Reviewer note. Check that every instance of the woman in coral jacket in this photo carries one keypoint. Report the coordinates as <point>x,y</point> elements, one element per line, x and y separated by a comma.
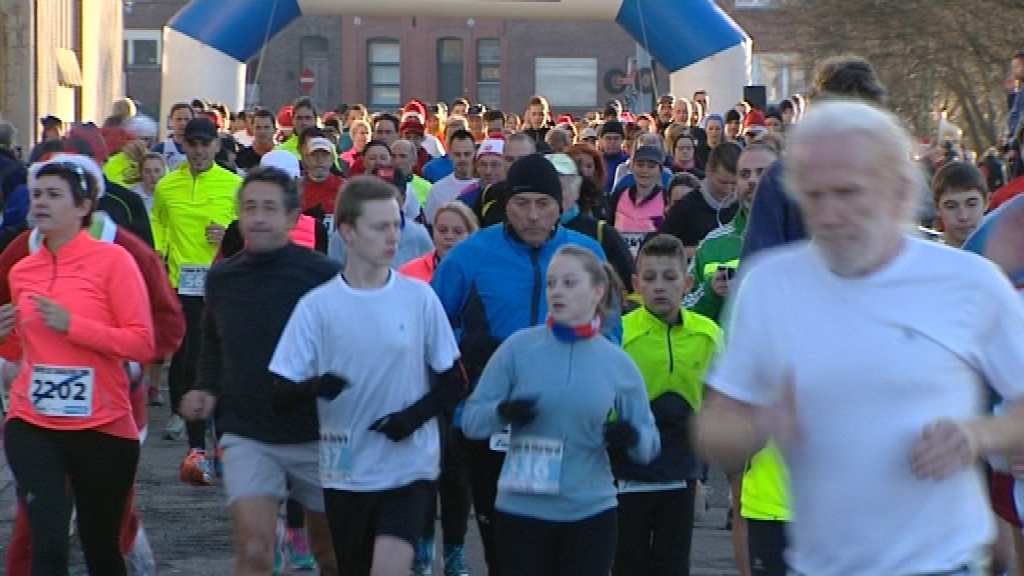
<point>79,311</point>
<point>453,223</point>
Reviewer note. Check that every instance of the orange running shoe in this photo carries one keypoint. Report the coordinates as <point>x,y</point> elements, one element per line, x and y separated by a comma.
<point>195,470</point>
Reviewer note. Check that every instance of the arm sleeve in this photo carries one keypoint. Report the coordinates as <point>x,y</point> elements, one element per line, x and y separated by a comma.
<point>131,336</point>
<point>999,346</point>
<point>774,219</point>
<point>140,224</point>
<point>631,405</point>
<point>168,319</point>
<point>702,299</point>
<point>159,222</point>
<point>232,242</point>
<point>450,285</point>
<point>480,415</point>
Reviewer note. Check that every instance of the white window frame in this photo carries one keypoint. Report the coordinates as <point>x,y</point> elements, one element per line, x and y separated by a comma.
<point>131,35</point>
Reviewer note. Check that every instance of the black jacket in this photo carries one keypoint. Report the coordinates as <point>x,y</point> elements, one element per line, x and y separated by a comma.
<point>615,248</point>
<point>127,210</point>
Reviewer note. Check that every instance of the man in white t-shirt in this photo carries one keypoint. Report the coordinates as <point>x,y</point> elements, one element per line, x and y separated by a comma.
<point>379,441</point>
<point>462,151</point>
<point>865,354</point>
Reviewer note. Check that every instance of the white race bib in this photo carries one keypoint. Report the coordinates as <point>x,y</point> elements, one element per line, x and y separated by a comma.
<point>62,390</point>
<point>499,441</point>
<point>634,240</point>
<point>192,280</point>
<point>532,465</point>
<point>329,223</point>
<point>335,455</point>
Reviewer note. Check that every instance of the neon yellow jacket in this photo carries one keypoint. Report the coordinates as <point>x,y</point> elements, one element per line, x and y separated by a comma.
<point>116,169</point>
<point>183,207</point>
<point>671,358</point>
<point>764,495</point>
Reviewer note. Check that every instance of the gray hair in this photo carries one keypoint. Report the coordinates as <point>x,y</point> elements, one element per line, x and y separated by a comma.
<point>559,137</point>
<point>7,135</point>
<point>889,142</point>
<point>523,138</point>
<point>400,143</point>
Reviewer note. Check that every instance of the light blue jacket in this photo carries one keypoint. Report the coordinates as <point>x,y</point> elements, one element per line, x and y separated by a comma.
<point>413,242</point>
<point>579,385</point>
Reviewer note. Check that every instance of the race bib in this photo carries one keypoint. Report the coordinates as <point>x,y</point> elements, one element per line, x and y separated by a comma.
<point>329,223</point>
<point>532,465</point>
<point>499,441</point>
<point>634,240</point>
<point>61,391</point>
<point>335,455</point>
<point>192,280</point>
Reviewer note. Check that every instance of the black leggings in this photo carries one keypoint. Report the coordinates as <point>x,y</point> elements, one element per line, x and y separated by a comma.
<point>484,467</point>
<point>766,541</point>
<point>100,470</point>
<point>453,487</point>
<point>655,532</point>
<point>532,547</point>
<point>185,365</point>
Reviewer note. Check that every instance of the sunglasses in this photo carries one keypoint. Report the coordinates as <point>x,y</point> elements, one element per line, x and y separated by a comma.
<point>79,174</point>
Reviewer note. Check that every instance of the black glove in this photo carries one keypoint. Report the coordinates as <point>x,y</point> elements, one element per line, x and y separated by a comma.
<point>329,386</point>
<point>397,426</point>
<point>476,349</point>
<point>620,435</point>
<point>519,411</point>
<point>672,414</point>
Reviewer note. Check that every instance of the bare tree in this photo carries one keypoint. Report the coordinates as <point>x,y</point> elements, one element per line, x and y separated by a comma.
<point>931,54</point>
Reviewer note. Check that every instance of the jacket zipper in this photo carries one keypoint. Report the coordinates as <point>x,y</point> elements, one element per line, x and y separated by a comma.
<point>535,298</point>
<point>53,275</point>
<point>671,357</point>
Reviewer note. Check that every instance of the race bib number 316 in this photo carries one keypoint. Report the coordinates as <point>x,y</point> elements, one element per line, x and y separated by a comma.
<point>62,391</point>
<point>532,465</point>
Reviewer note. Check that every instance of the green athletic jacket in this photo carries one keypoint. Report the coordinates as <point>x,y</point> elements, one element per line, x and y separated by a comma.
<point>721,247</point>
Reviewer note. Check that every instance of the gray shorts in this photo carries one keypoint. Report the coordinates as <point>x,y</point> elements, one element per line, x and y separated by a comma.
<point>256,469</point>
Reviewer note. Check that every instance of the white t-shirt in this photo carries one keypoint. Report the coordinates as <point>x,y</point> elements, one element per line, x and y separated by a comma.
<point>873,360</point>
<point>444,191</point>
<point>383,341</point>
<point>433,146</point>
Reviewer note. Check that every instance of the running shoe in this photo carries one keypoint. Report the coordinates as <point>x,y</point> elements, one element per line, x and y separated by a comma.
<point>297,549</point>
<point>423,560</point>
<point>175,428</point>
<point>279,548</point>
<point>218,461</point>
<point>455,561</point>
<point>140,559</point>
<point>195,469</point>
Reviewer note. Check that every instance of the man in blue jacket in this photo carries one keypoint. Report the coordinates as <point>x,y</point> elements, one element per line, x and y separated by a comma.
<point>492,285</point>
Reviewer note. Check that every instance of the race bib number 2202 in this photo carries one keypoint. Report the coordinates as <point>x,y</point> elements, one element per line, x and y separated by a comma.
<point>62,391</point>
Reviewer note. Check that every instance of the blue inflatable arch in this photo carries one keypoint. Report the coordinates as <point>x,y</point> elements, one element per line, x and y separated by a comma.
<point>209,41</point>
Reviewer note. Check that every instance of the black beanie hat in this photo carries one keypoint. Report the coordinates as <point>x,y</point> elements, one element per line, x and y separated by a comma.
<point>534,173</point>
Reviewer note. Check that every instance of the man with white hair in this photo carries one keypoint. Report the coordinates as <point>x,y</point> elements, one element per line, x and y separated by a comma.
<point>875,401</point>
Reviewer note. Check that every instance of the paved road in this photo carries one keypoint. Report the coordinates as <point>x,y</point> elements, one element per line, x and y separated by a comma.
<point>190,531</point>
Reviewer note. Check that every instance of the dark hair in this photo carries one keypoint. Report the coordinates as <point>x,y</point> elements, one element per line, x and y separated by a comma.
<point>958,177</point>
<point>849,76</point>
<point>374,143</point>
<point>683,179</point>
<point>333,122</point>
<point>182,106</point>
<point>1019,55</point>
<point>662,245</point>
<point>492,115</point>
<point>198,103</point>
<point>264,113</point>
<point>80,182</point>
<point>726,155</point>
<point>304,102</point>
<point>357,191</point>
<point>270,175</point>
<point>461,135</point>
<point>786,104</point>
<point>458,101</point>
<point>384,116</point>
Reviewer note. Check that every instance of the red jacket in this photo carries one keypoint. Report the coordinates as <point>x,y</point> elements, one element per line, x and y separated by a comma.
<point>1008,191</point>
<point>85,385</point>
<point>421,268</point>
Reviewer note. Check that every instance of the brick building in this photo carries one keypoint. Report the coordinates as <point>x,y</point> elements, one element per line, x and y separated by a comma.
<point>386,61</point>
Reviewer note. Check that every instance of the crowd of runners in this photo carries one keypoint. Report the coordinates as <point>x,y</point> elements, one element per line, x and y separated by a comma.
<point>549,324</point>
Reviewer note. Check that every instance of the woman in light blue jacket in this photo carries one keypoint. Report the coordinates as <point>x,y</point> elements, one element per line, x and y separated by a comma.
<point>549,392</point>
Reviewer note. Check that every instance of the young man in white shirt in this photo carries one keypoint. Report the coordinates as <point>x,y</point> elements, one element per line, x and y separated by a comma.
<point>875,400</point>
<point>379,441</point>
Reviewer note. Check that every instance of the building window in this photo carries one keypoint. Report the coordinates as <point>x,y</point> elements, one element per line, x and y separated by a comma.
<point>488,72</point>
<point>383,57</point>
<point>142,48</point>
<point>314,57</point>
<point>449,69</point>
<point>567,82</point>
<point>782,75</point>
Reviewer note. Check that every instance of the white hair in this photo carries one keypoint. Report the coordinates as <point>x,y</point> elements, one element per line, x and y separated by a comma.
<point>889,142</point>
<point>87,164</point>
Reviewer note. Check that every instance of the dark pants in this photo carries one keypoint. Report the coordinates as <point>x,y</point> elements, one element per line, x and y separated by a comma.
<point>532,547</point>
<point>766,541</point>
<point>357,518</point>
<point>100,471</point>
<point>453,487</point>
<point>655,532</point>
<point>484,467</point>
<point>185,364</point>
